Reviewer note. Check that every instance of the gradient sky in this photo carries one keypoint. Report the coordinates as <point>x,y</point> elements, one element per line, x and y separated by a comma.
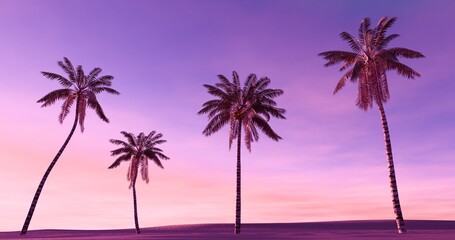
<point>330,165</point>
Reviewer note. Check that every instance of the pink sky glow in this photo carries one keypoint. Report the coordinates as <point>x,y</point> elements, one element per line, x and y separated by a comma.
<point>330,165</point>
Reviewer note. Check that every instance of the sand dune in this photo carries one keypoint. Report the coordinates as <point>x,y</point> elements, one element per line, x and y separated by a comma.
<point>359,230</point>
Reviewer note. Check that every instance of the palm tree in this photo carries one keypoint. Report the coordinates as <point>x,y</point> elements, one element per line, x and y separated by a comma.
<point>77,88</point>
<point>368,63</point>
<point>251,107</point>
<point>138,150</point>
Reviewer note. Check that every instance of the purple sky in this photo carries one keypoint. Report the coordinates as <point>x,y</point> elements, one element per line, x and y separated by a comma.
<point>331,164</point>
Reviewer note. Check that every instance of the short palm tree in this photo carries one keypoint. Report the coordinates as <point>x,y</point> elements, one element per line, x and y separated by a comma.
<point>367,65</point>
<point>250,107</point>
<point>138,150</point>
<point>77,88</point>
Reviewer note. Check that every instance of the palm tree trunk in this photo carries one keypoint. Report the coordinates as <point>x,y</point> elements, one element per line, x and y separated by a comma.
<point>136,221</point>
<point>238,195</point>
<point>46,174</point>
<point>393,181</point>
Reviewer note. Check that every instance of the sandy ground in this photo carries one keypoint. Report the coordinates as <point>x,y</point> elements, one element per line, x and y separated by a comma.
<point>360,230</point>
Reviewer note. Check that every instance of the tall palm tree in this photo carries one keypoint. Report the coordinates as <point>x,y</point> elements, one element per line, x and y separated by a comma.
<point>138,150</point>
<point>367,65</point>
<point>77,88</point>
<point>251,107</point>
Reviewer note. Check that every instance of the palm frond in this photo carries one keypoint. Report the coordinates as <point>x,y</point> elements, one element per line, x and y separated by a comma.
<point>267,116</point>
<point>118,142</point>
<point>385,94</point>
<point>124,149</point>
<point>342,82</point>
<point>225,84</point>
<point>93,74</point>
<point>247,137</point>
<point>152,156</point>
<point>249,84</point>
<point>270,93</point>
<point>161,155</point>
<point>156,137</point>
<point>155,149</point>
<point>265,127</point>
<point>132,173</point>
<point>268,101</point>
<point>357,71</point>
<point>216,111</point>
<point>364,31</point>
<point>157,142</point>
<point>233,129</point>
<point>335,57</point>
<point>216,123</point>
<point>352,41</point>
<point>349,62</point>
<point>68,68</point>
<point>215,91</point>
<point>66,107</point>
<point>94,104</point>
<point>128,174</point>
<point>141,139</point>
<point>62,80</point>
<point>130,137</point>
<point>107,89</point>
<point>144,169</point>
<point>404,52</point>
<point>106,79</point>
<point>82,111</point>
<point>157,162</point>
<point>209,106</point>
<point>402,69</point>
<point>235,78</point>
<point>116,163</point>
<point>80,77</point>
<point>55,95</point>
<point>103,81</point>
<point>388,39</point>
<point>381,28</point>
<point>262,84</point>
<point>270,110</point>
<point>223,79</point>
<point>254,133</point>
<point>364,95</point>
<point>151,134</point>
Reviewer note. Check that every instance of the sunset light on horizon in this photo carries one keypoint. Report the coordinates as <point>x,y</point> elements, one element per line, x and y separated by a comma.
<point>329,166</point>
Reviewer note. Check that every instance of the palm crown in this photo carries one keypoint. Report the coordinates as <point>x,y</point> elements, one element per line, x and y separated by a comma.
<point>251,106</point>
<point>138,150</point>
<point>370,60</point>
<point>79,88</point>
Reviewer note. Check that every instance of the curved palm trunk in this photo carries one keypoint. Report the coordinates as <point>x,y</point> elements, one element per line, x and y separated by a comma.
<point>136,221</point>
<point>393,181</point>
<point>46,174</point>
<point>238,195</point>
